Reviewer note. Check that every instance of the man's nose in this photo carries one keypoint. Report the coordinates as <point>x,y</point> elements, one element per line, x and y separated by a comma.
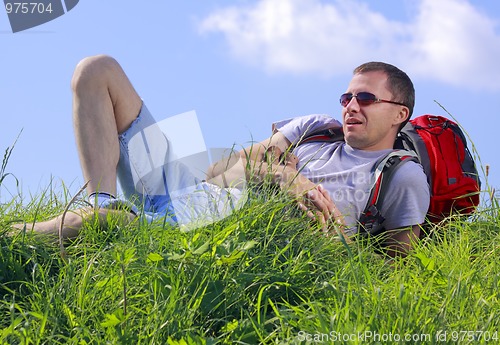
<point>353,105</point>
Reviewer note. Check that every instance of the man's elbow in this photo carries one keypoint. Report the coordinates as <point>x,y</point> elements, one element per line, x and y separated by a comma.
<point>399,242</point>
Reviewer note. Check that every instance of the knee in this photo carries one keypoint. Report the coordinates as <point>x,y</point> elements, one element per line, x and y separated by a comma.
<point>93,71</point>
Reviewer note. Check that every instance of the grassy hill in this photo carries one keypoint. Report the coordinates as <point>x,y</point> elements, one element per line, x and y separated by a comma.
<point>264,275</point>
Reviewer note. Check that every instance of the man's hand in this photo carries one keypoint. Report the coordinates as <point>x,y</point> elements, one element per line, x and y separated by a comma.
<point>318,199</point>
<point>311,198</point>
<point>272,158</point>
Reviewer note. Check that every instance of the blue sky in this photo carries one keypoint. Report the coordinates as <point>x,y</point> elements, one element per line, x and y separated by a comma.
<point>242,65</point>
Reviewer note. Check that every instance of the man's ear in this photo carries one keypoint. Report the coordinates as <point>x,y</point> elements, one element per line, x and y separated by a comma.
<point>403,114</point>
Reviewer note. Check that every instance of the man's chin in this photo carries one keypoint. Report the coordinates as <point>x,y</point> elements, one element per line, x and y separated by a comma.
<point>353,142</point>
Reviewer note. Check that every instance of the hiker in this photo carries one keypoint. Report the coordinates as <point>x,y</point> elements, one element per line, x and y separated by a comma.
<point>330,181</point>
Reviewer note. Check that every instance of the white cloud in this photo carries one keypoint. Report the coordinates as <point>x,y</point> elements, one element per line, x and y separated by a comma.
<point>455,43</point>
<point>446,40</point>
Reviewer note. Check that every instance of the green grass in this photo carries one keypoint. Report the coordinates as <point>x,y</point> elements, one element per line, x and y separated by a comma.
<point>263,275</point>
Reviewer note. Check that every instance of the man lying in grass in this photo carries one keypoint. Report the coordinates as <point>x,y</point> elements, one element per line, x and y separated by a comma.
<point>117,138</point>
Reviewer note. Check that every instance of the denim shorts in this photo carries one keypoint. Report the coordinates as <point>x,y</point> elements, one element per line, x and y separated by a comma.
<point>162,187</point>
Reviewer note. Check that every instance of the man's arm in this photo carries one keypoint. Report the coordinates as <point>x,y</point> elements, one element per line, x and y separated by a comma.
<point>255,161</point>
<point>255,153</point>
<point>405,207</point>
<point>399,242</point>
<point>260,161</point>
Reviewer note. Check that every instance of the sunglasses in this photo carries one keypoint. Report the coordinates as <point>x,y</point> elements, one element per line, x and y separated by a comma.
<point>364,98</point>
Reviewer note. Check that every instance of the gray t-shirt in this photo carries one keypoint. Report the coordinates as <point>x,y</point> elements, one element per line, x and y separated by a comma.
<point>348,174</point>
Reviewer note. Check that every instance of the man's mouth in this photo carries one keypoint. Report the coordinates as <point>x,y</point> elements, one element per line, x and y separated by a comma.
<point>353,121</point>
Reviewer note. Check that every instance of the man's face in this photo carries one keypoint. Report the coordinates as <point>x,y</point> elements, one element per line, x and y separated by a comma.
<point>371,127</point>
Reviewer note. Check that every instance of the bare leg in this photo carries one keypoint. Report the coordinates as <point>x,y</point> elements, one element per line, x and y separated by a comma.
<point>104,105</point>
<point>73,222</point>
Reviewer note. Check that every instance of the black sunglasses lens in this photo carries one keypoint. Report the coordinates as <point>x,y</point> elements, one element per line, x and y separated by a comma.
<point>365,98</point>
<point>345,99</point>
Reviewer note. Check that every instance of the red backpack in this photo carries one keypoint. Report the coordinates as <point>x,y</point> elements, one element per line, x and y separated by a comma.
<point>440,146</point>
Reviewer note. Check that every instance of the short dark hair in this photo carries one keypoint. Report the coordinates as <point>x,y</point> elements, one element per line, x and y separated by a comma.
<point>398,83</point>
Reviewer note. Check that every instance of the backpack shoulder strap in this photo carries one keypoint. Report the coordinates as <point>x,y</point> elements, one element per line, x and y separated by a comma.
<point>409,139</point>
<point>326,135</point>
<point>371,220</point>
<point>329,135</point>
